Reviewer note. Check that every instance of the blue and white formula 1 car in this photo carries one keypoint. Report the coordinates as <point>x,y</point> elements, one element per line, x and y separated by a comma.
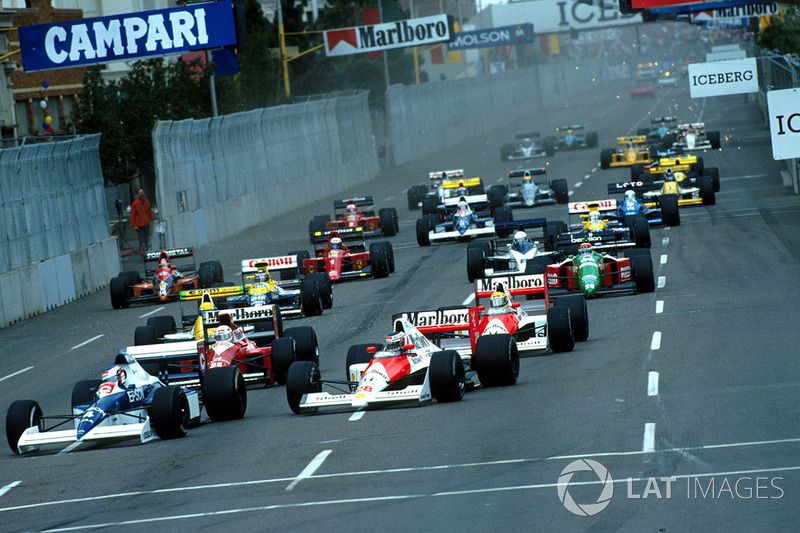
<point>460,223</point>
<point>126,403</point>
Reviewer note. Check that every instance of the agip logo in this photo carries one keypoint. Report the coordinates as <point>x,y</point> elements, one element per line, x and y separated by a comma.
<point>585,509</point>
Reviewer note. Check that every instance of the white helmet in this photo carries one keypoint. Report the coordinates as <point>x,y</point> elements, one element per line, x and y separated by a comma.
<point>630,195</point>
<point>115,374</point>
<point>223,334</point>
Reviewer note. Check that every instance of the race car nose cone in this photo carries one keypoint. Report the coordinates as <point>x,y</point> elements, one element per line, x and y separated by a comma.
<point>333,275</point>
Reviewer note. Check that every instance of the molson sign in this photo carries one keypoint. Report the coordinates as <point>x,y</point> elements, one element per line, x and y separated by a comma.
<point>127,36</point>
<point>400,34</point>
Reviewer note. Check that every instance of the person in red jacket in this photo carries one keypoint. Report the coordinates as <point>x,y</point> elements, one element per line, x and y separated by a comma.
<point>141,215</point>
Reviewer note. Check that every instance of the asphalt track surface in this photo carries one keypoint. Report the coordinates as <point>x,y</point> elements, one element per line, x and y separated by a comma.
<point>691,389</point>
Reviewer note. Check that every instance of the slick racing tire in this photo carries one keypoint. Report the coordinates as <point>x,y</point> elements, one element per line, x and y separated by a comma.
<point>310,297</point>
<point>503,214</point>
<point>170,415</point>
<point>640,231</point>
<point>83,392</point>
<point>670,213</point>
<point>283,354</point>
<point>303,378</point>
<point>318,224</point>
<point>559,330</point>
<point>699,166</point>
<point>379,262</point>
<point>605,157</point>
<point>424,227</point>
<point>668,140</point>
<point>560,190</point>
<point>549,146</point>
<point>415,196</point>
<point>447,377</point>
<point>578,314</point>
<point>358,354</point>
<point>642,131</point>
<point>305,343</point>
<point>636,171</point>
<point>162,324</point>
<point>216,267</point>
<point>476,261</point>
<point>389,225</point>
<point>713,138</point>
<point>288,274</point>
<point>323,281</point>
<point>706,184</point>
<point>132,277</point>
<point>429,204</point>
<point>118,289</point>
<point>386,246</point>
<point>144,336</point>
<point>591,139</point>
<point>496,360</point>
<point>538,265</point>
<point>21,415</point>
<point>496,196</point>
<point>714,173</point>
<point>207,275</point>
<point>553,229</point>
<point>643,276</point>
<point>224,393</point>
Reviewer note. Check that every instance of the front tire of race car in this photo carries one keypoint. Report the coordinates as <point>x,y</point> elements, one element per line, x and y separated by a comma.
<point>283,354</point>
<point>170,415</point>
<point>132,277</point>
<point>560,190</point>
<point>83,392</point>
<point>119,289</point>
<point>389,223</point>
<point>578,314</point>
<point>207,275</point>
<point>429,203</point>
<point>358,354</point>
<point>605,157</point>
<point>424,227</point>
<point>559,330</point>
<point>310,297</point>
<point>415,196</point>
<point>323,281</point>
<point>21,415</point>
<point>224,393</point>
<point>476,261</point>
<point>714,173</point>
<point>713,138</point>
<point>447,378</point>
<point>496,360</point>
<point>303,378</point>
<point>591,139</point>
<point>306,346</point>
<point>643,273</point>
<point>636,171</point>
<point>162,324</point>
<point>670,212</point>
<point>640,231</point>
<point>144,336</point>
<point>707,190</point>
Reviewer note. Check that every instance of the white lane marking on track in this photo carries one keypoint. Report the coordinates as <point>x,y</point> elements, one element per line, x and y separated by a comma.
<point>649,440</point>
<point>309,470</point>
<point>652,384</point>
<point>663,259</point>
<point>154,311</point>
<point>594,170</point>
<point>662,280</point>
<point>403,497</point>
<point>587,176</point>
<point>389,198</point>
<point>9,487</point>
<point>655,344</point>
<point>571,192</point>
<point>578,184</point>
<point>392,471</point>
<point>469,299</point>
<point>70,447</point>
<point>665,241</point>
<point>84,343</point>
<point>358,415</point>
<point>18,372</point>
<point>659,306</point>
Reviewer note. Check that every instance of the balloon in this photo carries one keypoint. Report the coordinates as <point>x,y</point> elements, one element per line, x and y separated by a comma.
<point>43,104</point>
<point>45,125</point>
<point>50,129</point>
<point>45,84</point>
<point>48,119</point>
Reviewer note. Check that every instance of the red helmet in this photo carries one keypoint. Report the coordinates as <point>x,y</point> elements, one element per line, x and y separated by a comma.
<point>351,208</point>
<point>585,247</point>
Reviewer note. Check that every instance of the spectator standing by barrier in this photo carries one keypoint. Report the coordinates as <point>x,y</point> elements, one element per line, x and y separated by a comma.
<point>141,215</point>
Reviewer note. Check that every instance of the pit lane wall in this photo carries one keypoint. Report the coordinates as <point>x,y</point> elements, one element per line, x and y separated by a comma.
<point>55,244</point>
<point>223,175</point>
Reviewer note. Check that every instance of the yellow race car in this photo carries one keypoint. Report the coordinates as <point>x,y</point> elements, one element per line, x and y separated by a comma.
<point>630,150</point>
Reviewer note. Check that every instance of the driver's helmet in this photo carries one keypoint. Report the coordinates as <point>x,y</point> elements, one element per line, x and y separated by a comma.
<point>206,306</point>
<point>669,175</point>
<point>630,195</point>
<point>498,301</point>
<point>163,263</point>
<point>115,374</point>
<point>351,208</point>
<point>520,240</point>
<point>394,340</point>
<point>595,218</point>
<point>223,334</point>
<point>261,276</point>
<point>526,178</point>
<point>336,243</point>
<point>462,189</point>
<point>585,248</point>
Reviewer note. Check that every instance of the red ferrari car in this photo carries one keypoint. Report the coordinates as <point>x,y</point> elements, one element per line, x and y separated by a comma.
<point>354,213</point>
<point>342,261</point>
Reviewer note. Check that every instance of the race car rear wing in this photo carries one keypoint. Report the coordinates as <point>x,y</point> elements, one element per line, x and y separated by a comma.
<point>671,119</point>
<point>636,186</point>
<point>635,139</point>
<point>517,284</point>
<point>174,253</point>
<point>572,127</point>
<point>693,126</point>
<point>446,174</point>
<point>529,172</point>
<point>508,227</point>
<point>346,234</point>
<point>365,204</point>
<point>576,208</point>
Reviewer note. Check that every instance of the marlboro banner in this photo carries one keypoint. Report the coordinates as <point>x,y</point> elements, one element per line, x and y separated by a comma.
<point>389,35</point>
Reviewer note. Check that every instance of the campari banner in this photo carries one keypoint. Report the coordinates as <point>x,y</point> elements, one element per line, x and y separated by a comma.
<point>127,36</point>
<point>389,35</point>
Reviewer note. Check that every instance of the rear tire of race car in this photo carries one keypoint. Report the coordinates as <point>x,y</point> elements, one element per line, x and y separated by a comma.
<point>496,196</point>
<point>713,138</point>
<point>699,166</point>
<point>21,415</point>
<point>118,288</point>
<point>668,140</point>
<point>162,324</point>
<point>224,393</point>
<point>578,314</point>
<point>496,360</point>
<point>670,212</point>
<point>132,277</point>
<point>559,330</point>
<point>560,190</point>
<point>643,273</point>
<point>323,281</point>
<point>207,275</point>
<point>605,157</point>
<point>503,214</point>
<point>476,261</point>
<point>424,227</point>
<point>415,196</point>
<point>288,274</point>
<point>538,265</point>
<point>283,354</point>
<point>144,336</point>
<point>553,229</point>
<point>429,204</point>
<point>591,139</point>
<point>358,354</point>
<point>379,262</point>
<point>714,173</point>
<point>310,297</point>
<point>306,347</point>
<point>318,224</point>
<point>636,171</point>
<point>447,377</point>
<point>388,216</point>
<point>641,231</point>
<point>549,147</point>
<point>83,392</point>
<point>303,377</point>
<point>170,415</point>
<point>217,268</point>
<point>386,247</point>
<point>706,184</point>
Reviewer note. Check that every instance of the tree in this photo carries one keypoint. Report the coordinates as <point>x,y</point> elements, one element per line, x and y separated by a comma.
<point>783,37</point>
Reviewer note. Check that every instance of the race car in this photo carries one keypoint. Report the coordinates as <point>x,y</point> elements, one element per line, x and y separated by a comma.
<point>525,190</point>
<point>574,137</point>
<point>629,151</point>
<point>441,180</point>
<point>663,136</point>
<point>594,272</point>
<point>675,188</point>
<point>127,403</point>
<point>355,213</point>
<point>501,256</point>
<point>691,166</point>
<point>642,90</point>
<point>165,280</point>
<point>666,214</point>
<point>344,257</point>
<point>694,136</point>
<point>460,223</point>
<point>527,146</point>
<point>599,224</point>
